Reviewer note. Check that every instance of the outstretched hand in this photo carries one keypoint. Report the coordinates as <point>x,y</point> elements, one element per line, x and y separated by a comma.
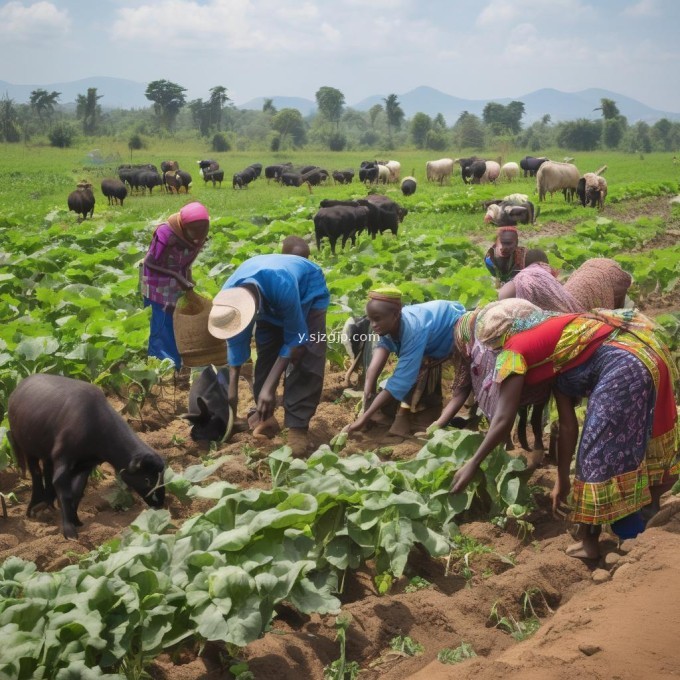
<point>559,495</point>
<point>463,477</point>
<point>356,426</point>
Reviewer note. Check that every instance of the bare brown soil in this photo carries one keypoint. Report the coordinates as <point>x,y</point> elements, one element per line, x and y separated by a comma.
<point>623,628</point>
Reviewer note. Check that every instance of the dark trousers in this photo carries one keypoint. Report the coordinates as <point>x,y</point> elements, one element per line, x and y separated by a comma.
<point>303,382</point>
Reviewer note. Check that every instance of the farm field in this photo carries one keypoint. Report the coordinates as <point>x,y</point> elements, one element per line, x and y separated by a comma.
<point>69,303</point>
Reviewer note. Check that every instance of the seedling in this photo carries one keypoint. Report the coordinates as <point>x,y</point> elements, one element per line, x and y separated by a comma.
<point>527,601</point>
<point>450,655</point>
<point>341,669</point>
<point>406,645</point>
<point>517,629</point>
<point>417,583</point>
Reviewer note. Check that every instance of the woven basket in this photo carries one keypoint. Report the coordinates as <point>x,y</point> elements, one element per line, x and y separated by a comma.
<point>194,342</point>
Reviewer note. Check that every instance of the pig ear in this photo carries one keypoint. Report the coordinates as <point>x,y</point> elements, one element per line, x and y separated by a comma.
<point>203,407</point>
<point>196,418</point>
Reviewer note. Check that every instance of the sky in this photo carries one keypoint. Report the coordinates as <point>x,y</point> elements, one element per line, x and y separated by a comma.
<point>483,49</point>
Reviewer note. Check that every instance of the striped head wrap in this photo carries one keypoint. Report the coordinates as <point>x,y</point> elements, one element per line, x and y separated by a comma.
<point>388,294</point>
<point>498,319</point>
<point>509,228</point>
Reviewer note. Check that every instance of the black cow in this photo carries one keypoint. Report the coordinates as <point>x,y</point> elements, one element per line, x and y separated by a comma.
<point>275,171</point>
<point>130,174</point>
<point>340,221</point>
<point>386,215</point>
<point>291,179</point>
<point>315,176</point>
<point>465,164</point>
<point>209,411</point>
<point>257,169</point>
<point>213,176</point>
<point>62,429</point>
<point>343,176</point>
<point>148,179</point>
<point>244,178</point>
<point>114,190</point>
<point>531,164</point>
<point>474,172</point>
<point>82,201</point>
<point>369,174</point>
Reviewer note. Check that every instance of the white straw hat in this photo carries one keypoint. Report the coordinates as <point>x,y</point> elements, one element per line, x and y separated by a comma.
<point>233,309</point>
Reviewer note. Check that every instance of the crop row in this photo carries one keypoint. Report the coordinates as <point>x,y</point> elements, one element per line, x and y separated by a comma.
<point>220,575</point>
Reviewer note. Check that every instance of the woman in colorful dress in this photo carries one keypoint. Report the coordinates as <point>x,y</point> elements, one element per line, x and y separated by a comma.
<point>629,451</point>
<point>166,274</point>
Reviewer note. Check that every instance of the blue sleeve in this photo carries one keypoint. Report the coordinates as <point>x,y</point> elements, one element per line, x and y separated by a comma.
<point>238,347</point>
<point>490,265</point>
<point>408,366</point>
<point>387,343</point>
<point>285,297</point>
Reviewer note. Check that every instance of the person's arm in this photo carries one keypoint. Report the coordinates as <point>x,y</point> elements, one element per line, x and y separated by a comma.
<point>566,445</point>
<point>375,368</point>
<point>499,429</point>
<point>183,282</point>
<point>456,402</point>
<point>372,403</point>
<point>266,401</point>
<point>232,391</point>
<point>508,290</point>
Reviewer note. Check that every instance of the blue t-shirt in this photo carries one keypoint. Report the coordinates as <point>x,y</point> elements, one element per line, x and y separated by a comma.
<point>426,330</point>
<point>289,287</point>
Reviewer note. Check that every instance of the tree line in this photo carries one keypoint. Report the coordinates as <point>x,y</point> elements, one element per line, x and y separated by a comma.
<point>333,125</point>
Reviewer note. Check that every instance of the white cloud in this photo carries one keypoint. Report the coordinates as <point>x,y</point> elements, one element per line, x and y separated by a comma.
<point>41,21</point>
<point>644,8</point>
<point>506,12</point>
<point>265,26</point>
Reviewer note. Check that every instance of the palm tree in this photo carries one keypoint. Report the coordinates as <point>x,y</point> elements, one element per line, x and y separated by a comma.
<point>268,107</point>
<point>218,98</point>
<point>394,113</point>
<point>88,109</point>
<point>608,108</point>
<point>43,102</point>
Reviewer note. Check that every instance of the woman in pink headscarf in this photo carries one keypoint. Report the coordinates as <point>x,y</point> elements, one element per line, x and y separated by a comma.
<point>166,274</point>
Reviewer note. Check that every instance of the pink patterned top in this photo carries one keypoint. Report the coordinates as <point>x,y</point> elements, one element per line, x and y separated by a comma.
<point>168,251</point>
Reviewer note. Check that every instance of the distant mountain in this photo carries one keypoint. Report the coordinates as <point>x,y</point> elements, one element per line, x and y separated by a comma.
<point>117,92</point>
<point>128,94</point>
<point>560,105</point>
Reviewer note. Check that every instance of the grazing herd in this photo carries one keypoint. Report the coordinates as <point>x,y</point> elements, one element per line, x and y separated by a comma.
<point>551,176</point>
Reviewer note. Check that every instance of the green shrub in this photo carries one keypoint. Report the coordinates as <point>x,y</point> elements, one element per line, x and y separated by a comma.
<point>62,135</point>
<point>337,142</point>
<point>220,143</point>
<point>135,143</point>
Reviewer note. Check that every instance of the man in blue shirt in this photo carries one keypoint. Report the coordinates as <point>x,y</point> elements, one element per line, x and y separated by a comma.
<point>284,298</point>
<point>419,335</point>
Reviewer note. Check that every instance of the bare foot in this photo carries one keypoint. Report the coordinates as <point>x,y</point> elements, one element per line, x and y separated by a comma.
<point>267,429</point>
<point>401,427</point>
<point>582,552</point>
